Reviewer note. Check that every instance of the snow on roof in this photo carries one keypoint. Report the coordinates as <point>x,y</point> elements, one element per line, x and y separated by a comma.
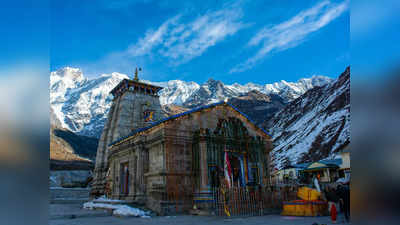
<point>186,113</point>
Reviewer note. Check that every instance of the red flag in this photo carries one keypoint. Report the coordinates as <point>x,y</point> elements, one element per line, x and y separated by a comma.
<point>227,170</point>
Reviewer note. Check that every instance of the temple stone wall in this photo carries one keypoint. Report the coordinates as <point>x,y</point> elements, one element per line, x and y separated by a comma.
<point>155,174</point>
<point>101,166</point>
<point>210,120</point>
<point>125,115</point>
<point>125,156</point>
<point>160,159</point>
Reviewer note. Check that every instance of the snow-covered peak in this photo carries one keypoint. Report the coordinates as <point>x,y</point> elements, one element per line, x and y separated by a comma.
<point>115,75</point>
<point>211,81</point>
<point>176,91</point>
<point>68,73</point>
<point>63,80</point>
<point>80,104</point>
<point>316,80</point>
<point>213,85</point>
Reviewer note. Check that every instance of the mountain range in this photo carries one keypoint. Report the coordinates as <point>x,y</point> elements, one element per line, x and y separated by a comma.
<point>81,105</point>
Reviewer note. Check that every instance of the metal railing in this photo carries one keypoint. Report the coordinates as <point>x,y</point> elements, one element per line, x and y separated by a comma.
<point>251,201</point>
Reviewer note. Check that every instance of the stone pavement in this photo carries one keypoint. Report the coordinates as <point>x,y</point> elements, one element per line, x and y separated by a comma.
<point>72,211</point>
<point>73,214</point>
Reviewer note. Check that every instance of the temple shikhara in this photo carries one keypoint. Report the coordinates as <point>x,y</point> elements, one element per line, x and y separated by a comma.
<point>175,163</point>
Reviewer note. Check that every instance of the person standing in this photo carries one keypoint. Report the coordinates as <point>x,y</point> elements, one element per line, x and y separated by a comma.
<point>343,191</point>
<point>333,199</point>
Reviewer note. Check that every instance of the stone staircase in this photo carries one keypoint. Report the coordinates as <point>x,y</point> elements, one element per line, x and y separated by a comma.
<point>68,195</point>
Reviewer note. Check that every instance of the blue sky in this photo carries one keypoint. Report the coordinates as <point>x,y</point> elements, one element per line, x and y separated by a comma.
<point>232,41</point>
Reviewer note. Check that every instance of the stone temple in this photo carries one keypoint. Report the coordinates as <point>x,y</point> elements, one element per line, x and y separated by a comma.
<point>171,164</point>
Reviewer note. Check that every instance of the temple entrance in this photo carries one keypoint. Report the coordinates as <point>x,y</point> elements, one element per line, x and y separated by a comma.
<point>229,150</point>
<point>239,176</point>
<point>238,170</point>
<point>124,176</point>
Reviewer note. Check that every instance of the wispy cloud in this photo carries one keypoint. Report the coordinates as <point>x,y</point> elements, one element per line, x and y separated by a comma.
<point>178,39</point>
<point>152,38</point>
<point>182,41</point>
<point>292,32</point>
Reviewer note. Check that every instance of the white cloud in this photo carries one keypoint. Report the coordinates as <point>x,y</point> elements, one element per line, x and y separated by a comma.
<point>292,32</point>
<point>181,42</point>
<point>152,38</point>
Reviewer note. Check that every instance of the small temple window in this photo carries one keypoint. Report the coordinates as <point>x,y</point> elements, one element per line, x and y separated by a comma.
<point>148,115</point>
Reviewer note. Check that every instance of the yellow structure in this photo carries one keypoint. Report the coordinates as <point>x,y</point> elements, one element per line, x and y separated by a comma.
<point>309,194</point>
<point>305,208</point>
<point>309,205</point>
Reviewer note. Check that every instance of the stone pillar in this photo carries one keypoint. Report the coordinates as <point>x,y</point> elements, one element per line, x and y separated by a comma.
<point>203,166</point>
<point>140,192</point>
<point>132,176</point>
<point>267,163</point>
<point>115,187</point>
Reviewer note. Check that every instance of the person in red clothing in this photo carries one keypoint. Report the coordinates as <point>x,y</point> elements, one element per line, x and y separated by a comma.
<point>331,197</point>
<point>333,213</point>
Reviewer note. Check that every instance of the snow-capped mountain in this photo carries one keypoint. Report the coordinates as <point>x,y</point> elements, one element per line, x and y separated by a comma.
<point>81,104</point>
<point>214,91</point>
<point>210,92</point>
<point>314,126</point>
<point>175,91</point>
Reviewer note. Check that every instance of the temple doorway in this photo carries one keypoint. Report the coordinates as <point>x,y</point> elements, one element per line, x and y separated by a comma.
<point>238,170</point>
<point>124,188</point>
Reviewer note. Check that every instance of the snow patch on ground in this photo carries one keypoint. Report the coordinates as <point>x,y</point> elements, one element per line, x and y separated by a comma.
<point>118,210</point>
<point>125,210</point>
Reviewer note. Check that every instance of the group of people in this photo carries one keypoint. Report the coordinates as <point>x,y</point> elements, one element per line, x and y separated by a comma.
<point>338,197</point>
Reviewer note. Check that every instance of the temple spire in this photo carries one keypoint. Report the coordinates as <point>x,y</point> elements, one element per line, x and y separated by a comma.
<point>136,74</point>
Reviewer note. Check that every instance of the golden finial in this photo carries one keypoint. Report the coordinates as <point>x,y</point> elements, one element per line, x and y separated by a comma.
<point>136,74</point>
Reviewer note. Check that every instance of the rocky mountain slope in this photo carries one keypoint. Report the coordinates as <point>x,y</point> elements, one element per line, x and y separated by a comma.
<point>314,126</point>
<point>81,105</point>
<point>258,106</point>
<point>171,109</point>
<point>69,151</point>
